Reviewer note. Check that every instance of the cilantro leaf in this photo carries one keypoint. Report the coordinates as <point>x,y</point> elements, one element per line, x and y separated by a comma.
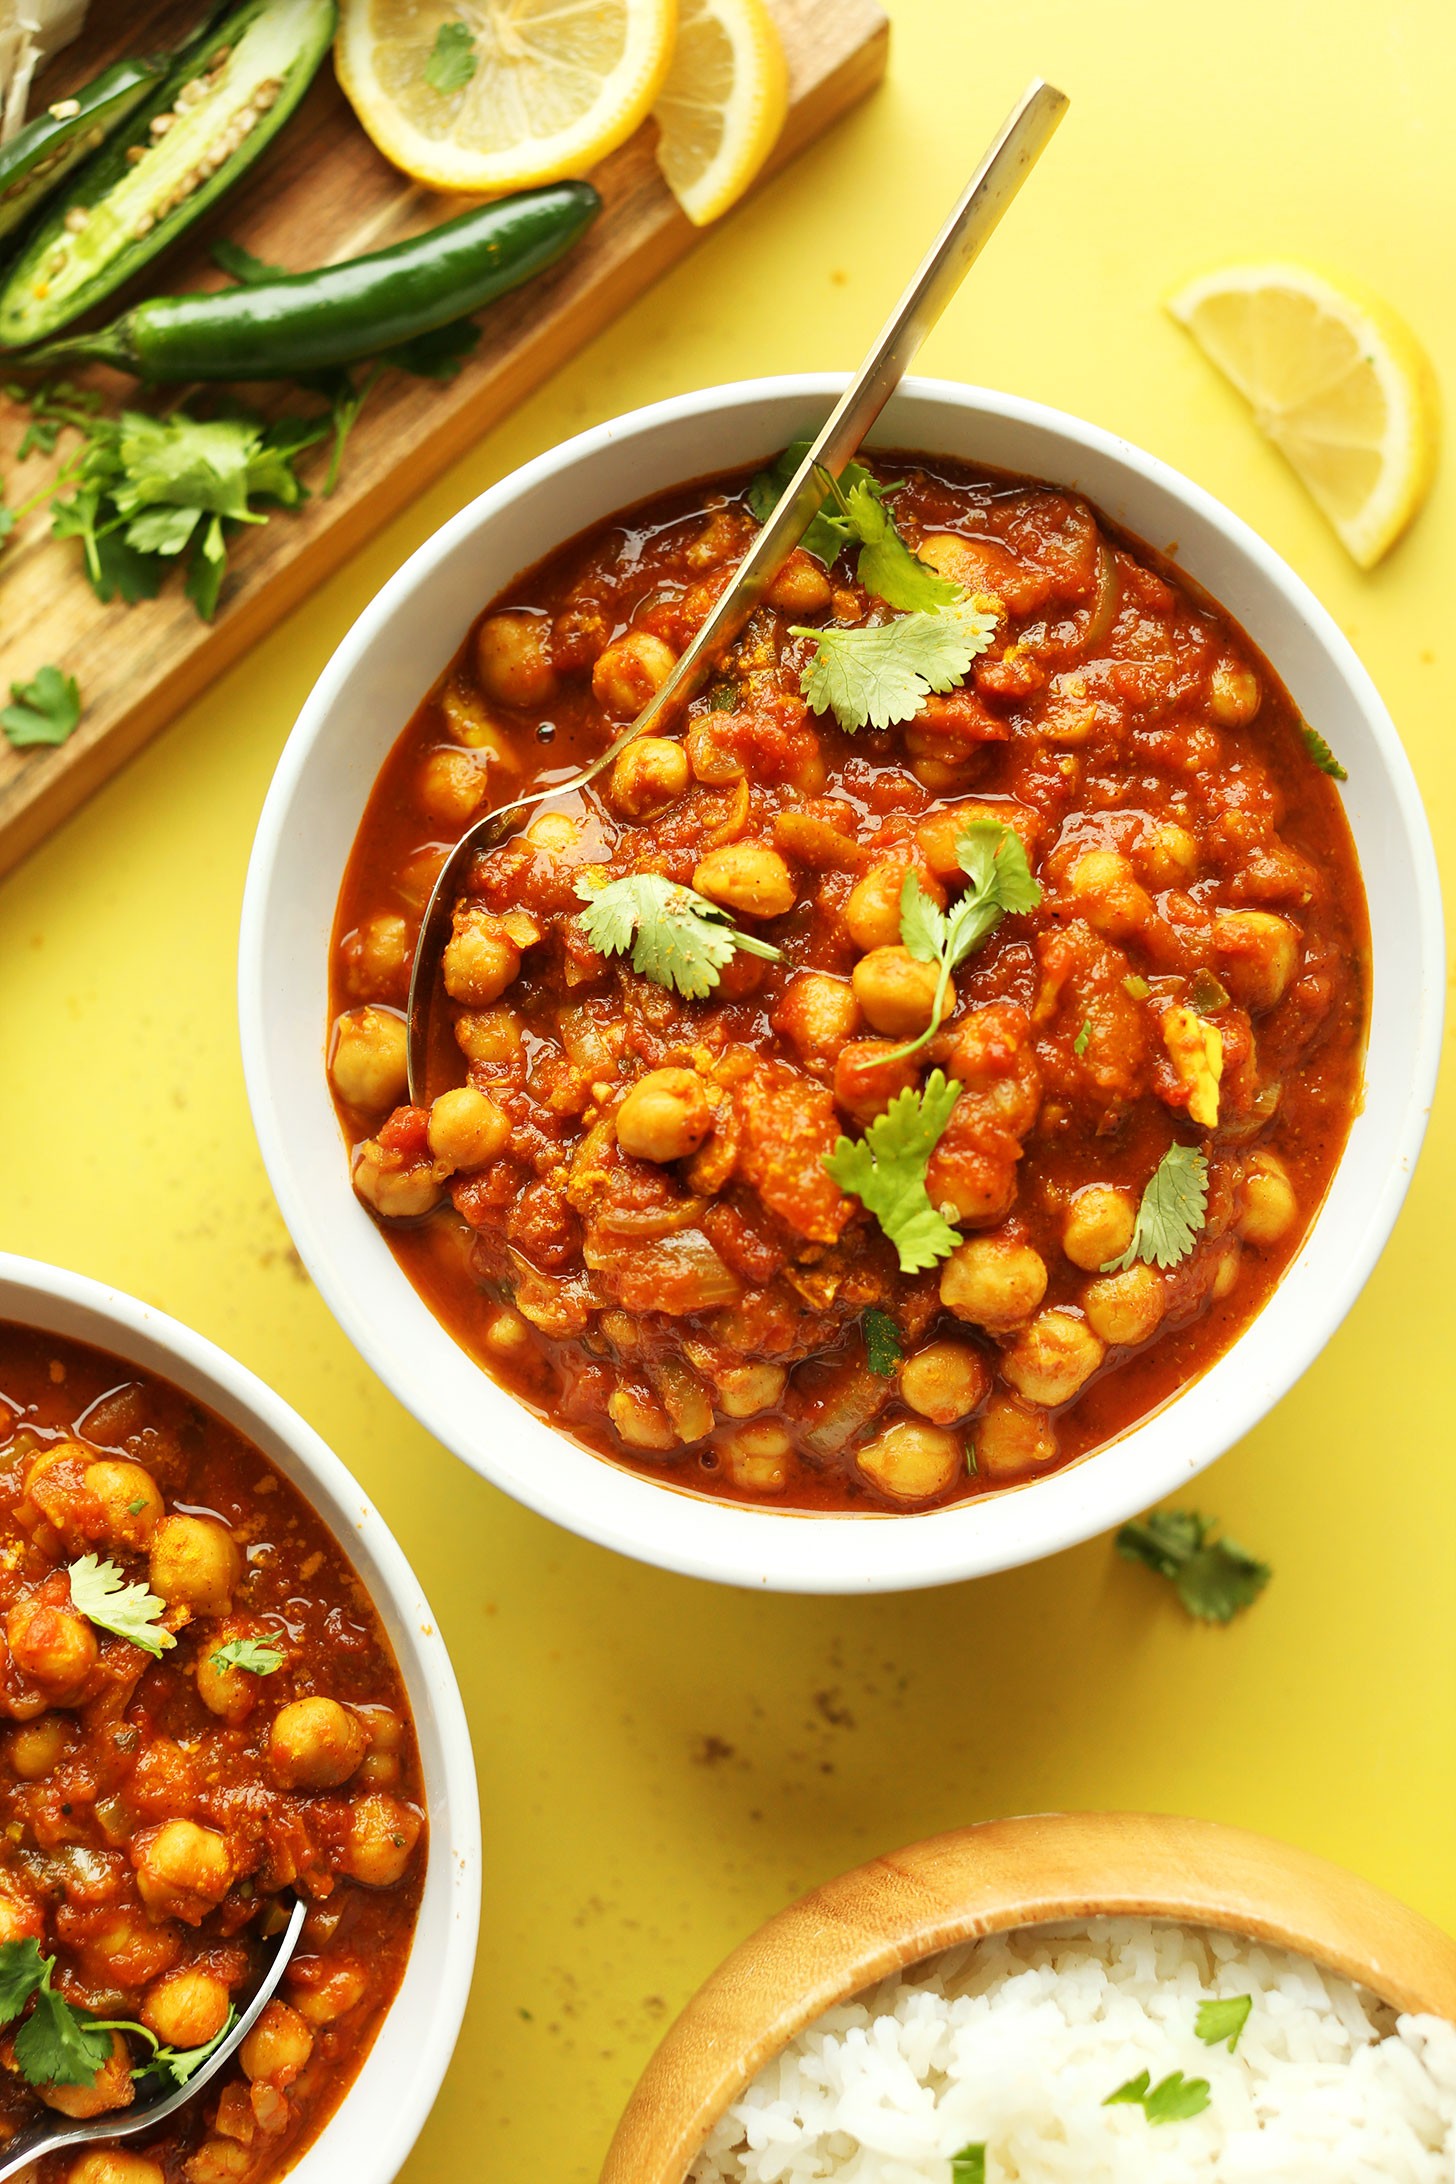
<point>240,264</point>
<point>1170,1213</point>
<point>677,937</point>
<point>830,531</point>
<point>205,569</point>
<point>253,1654</point>
<point>1084,1037</point>
<point>100,1593</point>
<point>1223,2019</point>
<point>879,673</point>
<point>452,60</point>
<point>993,858</point>
<point>1321,753</point>
<point>968,2166</point>
<point>22,1968</point>
<point>1172,2100</point>
<point>885,1171</point>
<point>43,711</point>
<point>57,2044</point>
<point>883,1350</point>
<point>1213,1577</point>
<point>887,566</point>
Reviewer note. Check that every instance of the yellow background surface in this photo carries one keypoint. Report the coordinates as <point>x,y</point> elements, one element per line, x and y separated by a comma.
<point>661,1763</point>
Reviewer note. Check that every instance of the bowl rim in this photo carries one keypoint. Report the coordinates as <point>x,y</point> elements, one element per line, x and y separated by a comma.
<point>759,1547</point>
<point>1037,1869</point>
<point>34,1293</point>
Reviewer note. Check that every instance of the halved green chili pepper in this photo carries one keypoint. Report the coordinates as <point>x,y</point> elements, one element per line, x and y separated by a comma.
<point>308,322</point>
<point>40,156</point>
<point>222,102</point>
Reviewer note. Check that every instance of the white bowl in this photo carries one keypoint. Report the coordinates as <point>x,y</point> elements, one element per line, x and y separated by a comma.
<point>359,706</point>
<point>382,2113</point>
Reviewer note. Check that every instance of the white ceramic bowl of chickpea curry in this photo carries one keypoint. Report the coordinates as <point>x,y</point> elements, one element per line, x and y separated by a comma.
<point>924,1111</point>
<point>223,1689</point>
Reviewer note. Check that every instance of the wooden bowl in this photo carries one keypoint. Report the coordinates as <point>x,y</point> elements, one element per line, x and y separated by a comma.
<point>954,1888</point>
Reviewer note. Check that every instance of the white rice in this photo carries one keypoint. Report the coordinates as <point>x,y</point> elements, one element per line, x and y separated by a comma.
<point>1016,2042</point>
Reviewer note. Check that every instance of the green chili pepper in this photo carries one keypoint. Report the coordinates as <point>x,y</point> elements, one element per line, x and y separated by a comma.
<point>309,322</point>
<point>40,156</point>
<point>222,102</point>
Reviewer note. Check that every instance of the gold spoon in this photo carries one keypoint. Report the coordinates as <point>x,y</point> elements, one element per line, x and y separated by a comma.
<point>996,181</point>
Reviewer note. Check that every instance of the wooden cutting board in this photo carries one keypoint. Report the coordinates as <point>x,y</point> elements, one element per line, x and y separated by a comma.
<point>322,192</point>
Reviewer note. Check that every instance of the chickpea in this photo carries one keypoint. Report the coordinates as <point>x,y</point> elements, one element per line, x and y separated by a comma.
<point>396,1193</point>
<point>1234,696</point>
<point>114,2165</point>
<point>35,1748</point>
<point>746,877</point>
<point>897,993</point>
<point>1125,1308</point>
<point>1258,954</point>
<point>993,1281</point>
<point>195,1563</point>
<point>125,1949</point>
<point>1012,1438</point>
<point>912,1462</point>
<point>872,909</point>
<point>801,587</point>
<point>111,2088</point>
<point>555,833</point>
<point>1097,1226</point>
<point>378,955</point>
<point>278,2046</point>
<point>490,1037</point>
<point>631,671</point>
<point>452,785</point>
<point>817,1014</point>
<point>51,1646</point>
<point>186,2008</point>
<point>513,661</point>
<point>650,774</point>
<point>383,1832</point>
<point>1108,896</point>
<point>1268,1207</point>
<point>230,1693</point>
<point>315,1744</point>
<point>466,1130</point>
<point>866,1078</point>
<point>369,1063</point>
<point>1167,856</point>
<point>758,1458</point>
<point>961,559</point>
<point>665,1116</point>
<point>1052,1358</point>
<point>480,958</point>
<point>330,1990</point>
<point>507,1333</point>
<point>938,837</point>
<point>945,1381</point>
<point>744,1389</point>
<point>182,1870</point>
<point>642,1423</point>
<point>131,1506</point>
<point>219,2161</point>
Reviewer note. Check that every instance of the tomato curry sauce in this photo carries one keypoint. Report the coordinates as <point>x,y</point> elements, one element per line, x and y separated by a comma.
<point>624,1212</point>
<point>166,1795</point>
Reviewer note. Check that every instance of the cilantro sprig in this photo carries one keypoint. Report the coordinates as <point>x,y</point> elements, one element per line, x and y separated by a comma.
<point>876,674</point>
<point>43,711</point>
<point>1170,1213</point>
<point>1213,1576</point>
<point>993,858</point>
<point>831,530</point>
<point>253,1654</point>
<point>883,1348</point>
<point>677,937</point>
<point>1172,2100</point>
<point>61,2045</point>
<point>102,1595</point>
<point>885,1170</point>
<point>1220,2021</point>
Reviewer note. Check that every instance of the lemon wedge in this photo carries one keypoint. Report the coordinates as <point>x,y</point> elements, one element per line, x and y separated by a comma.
<point>722,105</point>
<point>532,89</point>
<point>1337,381</point>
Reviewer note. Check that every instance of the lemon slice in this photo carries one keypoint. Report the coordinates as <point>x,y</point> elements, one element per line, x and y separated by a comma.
<point>542,89</point>
<point>722,105</point>
<point>1337,381</point>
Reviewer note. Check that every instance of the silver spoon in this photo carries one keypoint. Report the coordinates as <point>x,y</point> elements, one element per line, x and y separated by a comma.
<point>996,181</point>
<point>120,2123</point>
